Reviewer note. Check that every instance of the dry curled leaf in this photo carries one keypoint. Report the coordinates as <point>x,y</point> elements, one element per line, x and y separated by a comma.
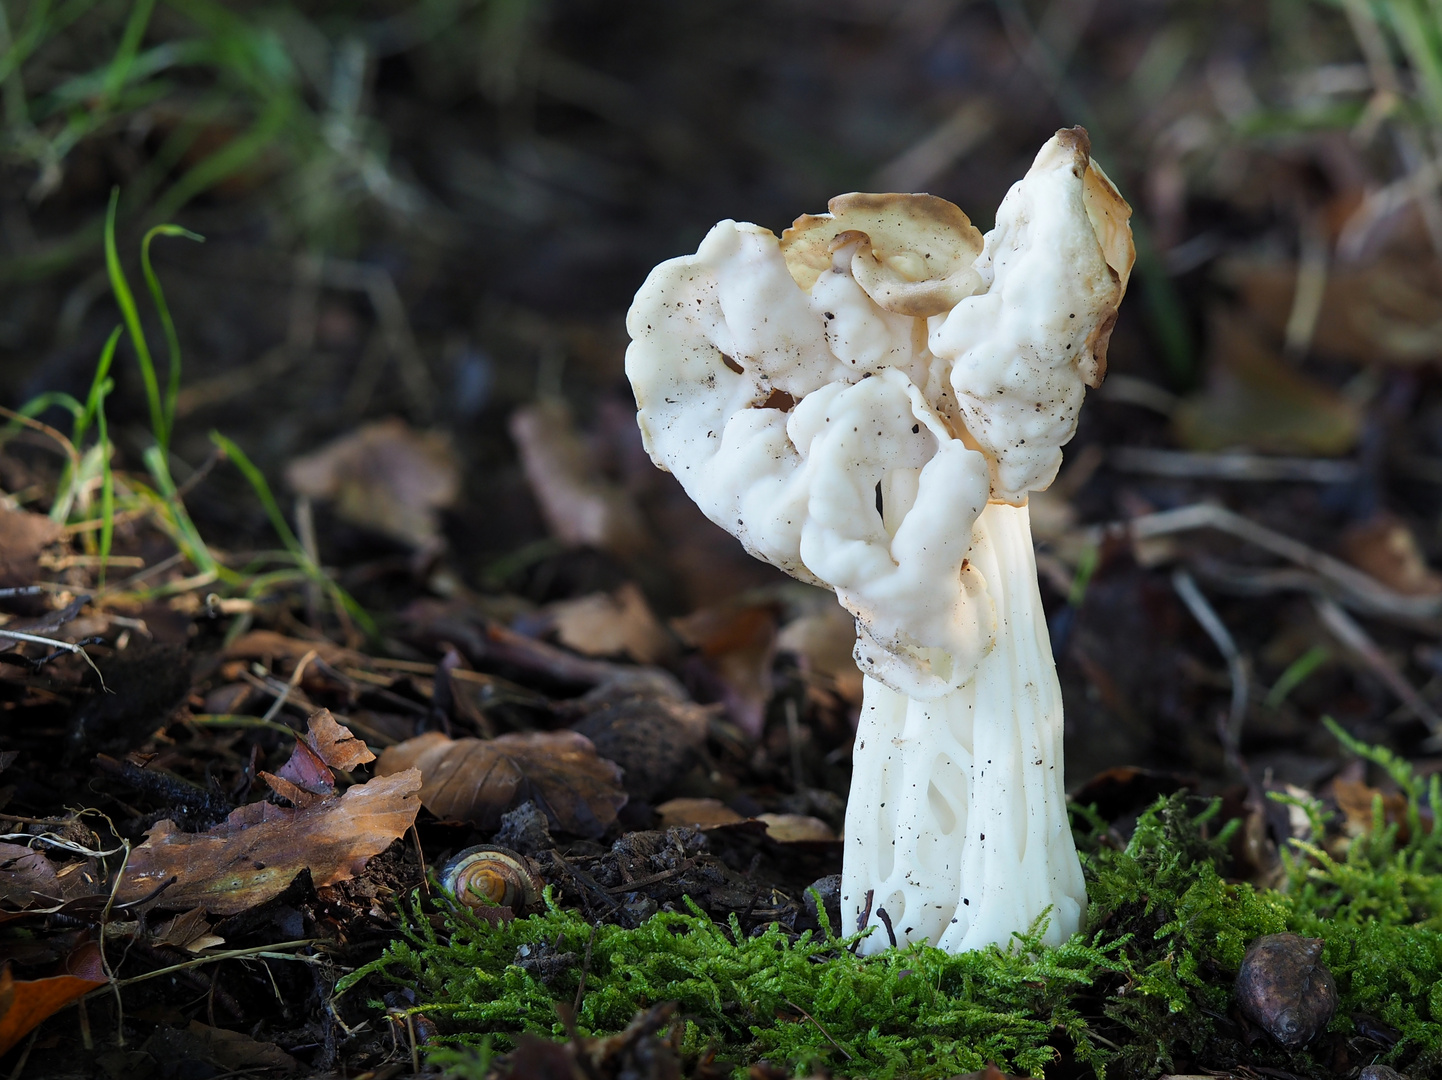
<point>190,931</point>
<point>25,1003</point>
<point>1388,310</point>
<point>1387,549</point>
<point>259,849</point>
<point>611,624</point>
<point>580,505</point>
<point>702,813</point>
<point>26,876</point>
<point>479,780</point>
<point>268,646</point>
<point>1255,399</point>
<point>737,644</point>
<point>23,536</point>
<point>385,477</point>
<point>822,641</point>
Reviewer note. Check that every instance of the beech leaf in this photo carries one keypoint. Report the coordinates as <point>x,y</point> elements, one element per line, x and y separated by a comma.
<point>478,780</point>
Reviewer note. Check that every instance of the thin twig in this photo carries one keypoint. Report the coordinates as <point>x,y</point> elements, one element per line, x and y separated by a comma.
<point>819,1028</point>
<point>45,429</point>
<point>104,961</point>
<point>56,643</point>
<point>1357,590</point>
<point>295,678</point>
<point>1232,466</point>
<point>1347,630</point>
<point>1237,666</point>
<point>266,951</point>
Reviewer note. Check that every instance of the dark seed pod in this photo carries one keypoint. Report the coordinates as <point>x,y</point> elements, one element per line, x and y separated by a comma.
<point>1284,988</point>
<point>484,875</point>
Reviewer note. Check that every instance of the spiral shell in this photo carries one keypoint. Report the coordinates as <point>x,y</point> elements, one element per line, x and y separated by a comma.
<point>484,875</point>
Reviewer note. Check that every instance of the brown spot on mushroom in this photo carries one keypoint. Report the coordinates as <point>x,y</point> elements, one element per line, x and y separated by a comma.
<point>914,253</point>
<point>779,399</point>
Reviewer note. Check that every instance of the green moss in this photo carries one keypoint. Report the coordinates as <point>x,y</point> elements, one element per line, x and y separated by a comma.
<point>1146,990</point>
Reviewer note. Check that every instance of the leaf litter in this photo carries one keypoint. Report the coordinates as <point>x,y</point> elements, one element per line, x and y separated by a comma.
<point>664,725</point>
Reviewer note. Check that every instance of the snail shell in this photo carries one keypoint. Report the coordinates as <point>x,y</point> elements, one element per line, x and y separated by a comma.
<point>484,875</point>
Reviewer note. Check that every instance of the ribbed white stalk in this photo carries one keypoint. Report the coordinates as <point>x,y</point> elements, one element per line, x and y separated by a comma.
<point>957,820</point>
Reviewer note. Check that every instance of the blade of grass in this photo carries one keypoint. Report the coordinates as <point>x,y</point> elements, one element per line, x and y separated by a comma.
<point>125,300</point>
<point>119,69</point>
<point>222,164</point>
<point>342,599</point>
<point>157,294</point>
<point>107,477</point>
<point>1295,674</point>
<point>257,481</point>
<point>191,541</point>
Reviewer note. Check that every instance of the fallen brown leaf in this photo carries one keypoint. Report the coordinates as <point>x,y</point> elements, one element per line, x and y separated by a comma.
<point>797,829</point>
<point>260,848</point>
<point>385,477</point>
<point>611,624</point>
<point>702,813</point>
<point>233,1052</point>
<point>823,642</point>
<point>580,505</point>
<point>334,744</point>
<point>1356,802</point>
<point>1388,310</point>
<point>1255,399</point>
<point>23,536</point>
<point>26,876</point>
<point>267,645</point>
<point>190,931</point>
<point>25,1003</point>
<point>1387,549</point>
<point>736,644</point>
<point>478,780</point>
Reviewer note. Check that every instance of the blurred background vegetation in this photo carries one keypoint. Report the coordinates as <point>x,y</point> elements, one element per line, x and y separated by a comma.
<point>439,210</point>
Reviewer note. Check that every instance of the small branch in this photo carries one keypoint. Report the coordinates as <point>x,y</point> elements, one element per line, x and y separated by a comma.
<point>1359,591</point>
<point>295,677</point>
<point>1232,466</point>
<point>64,646</point>
<point>819,1028</point>
<point>1350,633</point>
<point>1221,637</point>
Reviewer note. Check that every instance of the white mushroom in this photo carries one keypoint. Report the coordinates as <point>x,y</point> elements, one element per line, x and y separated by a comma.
<point>866,404</point>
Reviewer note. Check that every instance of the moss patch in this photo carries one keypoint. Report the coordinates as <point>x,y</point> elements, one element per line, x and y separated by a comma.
<point>1146,990</point>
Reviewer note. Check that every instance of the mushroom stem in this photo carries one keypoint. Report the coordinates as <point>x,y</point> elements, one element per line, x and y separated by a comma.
<point>957,821</point>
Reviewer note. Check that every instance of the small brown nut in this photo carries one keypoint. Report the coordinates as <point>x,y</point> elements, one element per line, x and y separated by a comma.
<point>1285,989</point>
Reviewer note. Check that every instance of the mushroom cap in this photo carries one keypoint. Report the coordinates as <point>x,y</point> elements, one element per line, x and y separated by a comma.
<point>913,255</point>
<point>845,400</point>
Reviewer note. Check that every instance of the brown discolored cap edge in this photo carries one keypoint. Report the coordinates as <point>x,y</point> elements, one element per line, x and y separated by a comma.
<point>1075,138</point>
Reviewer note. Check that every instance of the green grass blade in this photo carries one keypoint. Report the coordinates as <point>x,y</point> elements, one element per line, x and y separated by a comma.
<point>119,69</point>
<point>87,415</point>
<point>107,478</point>
<point>257,481</point>
<point>189,536</point>
<point>172,341</point>
<point>38,404</point>
<point>1296,673</point>
<point>228,160</point>
<point>125,299</point>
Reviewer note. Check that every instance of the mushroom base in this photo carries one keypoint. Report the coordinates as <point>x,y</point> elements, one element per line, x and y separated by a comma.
<point>957,822</point>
